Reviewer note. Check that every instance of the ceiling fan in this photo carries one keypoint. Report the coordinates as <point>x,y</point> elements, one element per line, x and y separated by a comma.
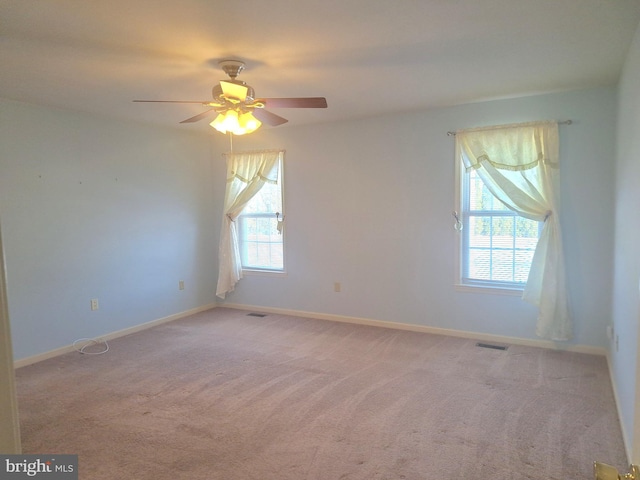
<point>238,110</point>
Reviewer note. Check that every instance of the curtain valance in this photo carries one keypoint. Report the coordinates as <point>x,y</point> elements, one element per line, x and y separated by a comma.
<point>510,147</point>
<point>247,166</point>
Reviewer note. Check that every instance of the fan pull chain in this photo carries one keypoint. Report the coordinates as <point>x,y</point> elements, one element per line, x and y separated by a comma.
<point>231,141</point>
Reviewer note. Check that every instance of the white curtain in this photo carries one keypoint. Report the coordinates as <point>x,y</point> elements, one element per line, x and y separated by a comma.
<point>519,164</point>
<point>247,172</point>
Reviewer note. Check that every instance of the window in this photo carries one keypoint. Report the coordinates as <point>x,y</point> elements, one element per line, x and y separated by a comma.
<point>497,245</point>
<point>261,244</point>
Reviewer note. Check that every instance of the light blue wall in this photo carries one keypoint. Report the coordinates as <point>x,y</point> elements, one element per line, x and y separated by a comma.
<point>93,207</point>
<point>97,208</point>
<point>369,202</point>
<point>626,299</point>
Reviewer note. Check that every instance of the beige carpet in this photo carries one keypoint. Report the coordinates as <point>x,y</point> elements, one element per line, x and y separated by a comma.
<point>222,395</point>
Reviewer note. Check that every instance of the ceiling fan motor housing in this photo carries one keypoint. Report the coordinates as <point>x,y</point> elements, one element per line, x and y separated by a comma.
<point>217,92</point>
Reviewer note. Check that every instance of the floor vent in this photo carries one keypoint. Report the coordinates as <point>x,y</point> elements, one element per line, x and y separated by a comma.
<point>256,315</point>
<point>489,345</point>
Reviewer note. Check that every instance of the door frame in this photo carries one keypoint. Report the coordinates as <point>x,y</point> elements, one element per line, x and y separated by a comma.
<point>9,422</point>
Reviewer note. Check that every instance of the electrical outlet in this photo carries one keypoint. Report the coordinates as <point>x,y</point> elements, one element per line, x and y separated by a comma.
<point>181,284</point>
<point>94,304</point>
<point>610,332</point>
<point>337,287</point>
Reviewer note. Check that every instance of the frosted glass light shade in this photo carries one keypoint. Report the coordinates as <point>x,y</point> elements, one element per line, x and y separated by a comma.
<point>231,122</point>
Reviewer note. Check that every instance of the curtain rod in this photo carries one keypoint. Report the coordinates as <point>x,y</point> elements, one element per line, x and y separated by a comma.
<point>565,122</point>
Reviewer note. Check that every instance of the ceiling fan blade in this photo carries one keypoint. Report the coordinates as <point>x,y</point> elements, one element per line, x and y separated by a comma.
<point>234,90</point>
<point>200,116</point>
<point>173,101</point>
<point>267,117</point>
<point>305,102</point>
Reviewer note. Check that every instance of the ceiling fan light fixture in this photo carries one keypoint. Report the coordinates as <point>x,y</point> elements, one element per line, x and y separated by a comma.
<point>249,122</point>
<point>231,122</point>
<point>226,122</point>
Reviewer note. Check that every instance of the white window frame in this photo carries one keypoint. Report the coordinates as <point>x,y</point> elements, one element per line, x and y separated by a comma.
<point>241,239</point>
<point>473,285</point>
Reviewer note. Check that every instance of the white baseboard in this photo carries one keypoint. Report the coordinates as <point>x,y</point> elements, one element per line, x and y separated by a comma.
<point>110,336</point>
<point>325,316</point>
<point>626,439</point>
<point>422,328</point>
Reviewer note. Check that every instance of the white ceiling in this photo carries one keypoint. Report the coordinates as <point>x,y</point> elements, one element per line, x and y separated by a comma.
<point>367,57</point>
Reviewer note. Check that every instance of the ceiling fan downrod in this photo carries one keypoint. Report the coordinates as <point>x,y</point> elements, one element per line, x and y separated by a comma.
<point>232,67</point>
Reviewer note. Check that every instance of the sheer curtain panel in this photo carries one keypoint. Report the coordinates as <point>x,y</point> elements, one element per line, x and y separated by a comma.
<point>519,164</point>
<point>247,172</point>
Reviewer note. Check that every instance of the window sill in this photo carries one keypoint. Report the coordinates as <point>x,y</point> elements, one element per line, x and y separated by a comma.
<point>513,292</point>
<point>264,273</point>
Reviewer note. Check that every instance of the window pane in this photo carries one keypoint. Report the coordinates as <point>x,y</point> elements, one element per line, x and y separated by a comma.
<point>480,264</point>
<point>267,200</point>
<point>475,192</point>
<point>526,233</point>
<point>498,245</point>
<point>250,227</point>
<point>522,265</point>
<point>261,245</point>
<point>480,197</point>
<point>479,232</point>
<point>502,232</point>
<point>502,265</point>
